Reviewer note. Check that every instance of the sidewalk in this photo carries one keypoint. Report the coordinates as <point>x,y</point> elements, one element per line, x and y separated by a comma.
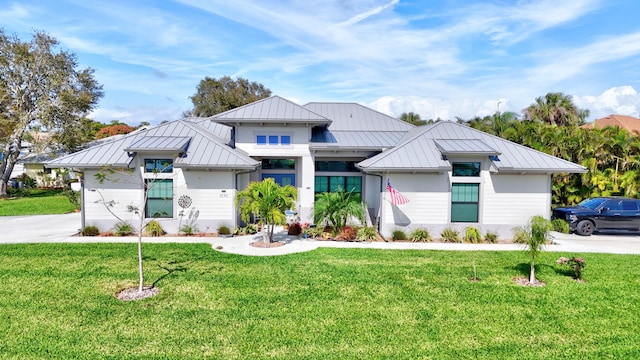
<point>62,228</point>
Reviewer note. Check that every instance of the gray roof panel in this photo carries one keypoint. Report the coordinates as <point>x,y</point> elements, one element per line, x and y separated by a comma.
<point>273,109</point>
<point>355,139</point>
<point>464,146</point>
<point>159,143</point>
<point>355,117</point>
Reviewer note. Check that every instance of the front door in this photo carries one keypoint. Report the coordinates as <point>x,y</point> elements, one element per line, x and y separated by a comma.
<point>282,179</point>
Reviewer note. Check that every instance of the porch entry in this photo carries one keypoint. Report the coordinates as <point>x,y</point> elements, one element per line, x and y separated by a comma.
<point>282,179</point>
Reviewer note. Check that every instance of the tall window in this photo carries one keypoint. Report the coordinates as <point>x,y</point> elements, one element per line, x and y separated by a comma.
<point>333,183</point>
<point>466,169</point>
<point>464,202</point>
<point>159,198</point>
<point>158,165</point>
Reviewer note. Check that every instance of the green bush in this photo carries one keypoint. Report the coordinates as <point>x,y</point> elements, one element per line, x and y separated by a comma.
<point>190,229</point>
<point>450,235</point>
<point>123,229</point>
<point>90,230</point>
<point>398,235</point>
<point>27,181</point>
<point>315,232</point>
<point>420,235</point>
<point>154,229</point>
<point>472,235</point>
<point>224,230</point>
<point>367,233</point>
<point>250,229</point>
<point>491,237</point>
<point>560,226</point>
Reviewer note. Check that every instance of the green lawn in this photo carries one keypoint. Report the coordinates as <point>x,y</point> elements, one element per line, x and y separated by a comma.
<point>36,202</point>
<point>57,301</point>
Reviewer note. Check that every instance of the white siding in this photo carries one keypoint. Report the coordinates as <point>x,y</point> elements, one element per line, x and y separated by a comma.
<point>513,199</point>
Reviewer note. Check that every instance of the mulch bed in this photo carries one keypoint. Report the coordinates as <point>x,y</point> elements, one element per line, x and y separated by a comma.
<point>524,281</point>
<point>132,293</point>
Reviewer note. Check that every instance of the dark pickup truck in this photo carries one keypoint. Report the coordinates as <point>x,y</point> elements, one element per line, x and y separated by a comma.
<point>601,214</point>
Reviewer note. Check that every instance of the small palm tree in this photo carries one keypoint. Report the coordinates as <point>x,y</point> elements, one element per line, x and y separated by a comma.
<point>335,208</point>
<point>534,236</point>
<point>267,200</point>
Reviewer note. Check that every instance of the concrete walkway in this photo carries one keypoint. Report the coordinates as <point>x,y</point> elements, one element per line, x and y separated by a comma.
<point>62,228</point>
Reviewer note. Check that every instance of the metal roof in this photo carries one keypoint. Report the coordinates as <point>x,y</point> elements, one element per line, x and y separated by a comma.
<point>160,143</point>
<point>274,110</point>
<point>464,146</point>
<point>419,151</point>
<point>365,140</point>
<point>355,117</point>
<point>203,150</point>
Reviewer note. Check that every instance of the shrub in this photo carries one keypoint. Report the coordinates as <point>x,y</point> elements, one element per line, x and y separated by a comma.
<point>90,230</point>
<point>72,196</point>
<point>315,232</point>
<point>450,235</point>
<point>472,235</point>
<point>154,229</point>
<point>398,235</point>
<point>123,229</point>
<point>367,233</point>
<point>224,230</point>
<point>27,181</point>
<point>250,229</point>
<point>560,226</point>
<point>295,229</point>
<point>189,229</point>
<point>347,233</point>
<point>491,237</point>
<point>576,264</point>
<point>420,235</point>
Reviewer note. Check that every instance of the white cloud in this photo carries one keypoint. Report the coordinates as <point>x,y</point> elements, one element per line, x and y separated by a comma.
<point>434,108</point>
<point>622,100</point>
<point>135,115</point>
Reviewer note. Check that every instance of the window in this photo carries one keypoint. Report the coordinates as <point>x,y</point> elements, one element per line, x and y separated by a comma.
<point>285,140</point>
<point>158,165</point>
<point>261,139</point>
<point>273,139</point>
<point>341,166</point>
<point>333,183</point>
<point>464,202</point>
<point>159,198</point>
<point>466,169</point>
<point>268,164</point>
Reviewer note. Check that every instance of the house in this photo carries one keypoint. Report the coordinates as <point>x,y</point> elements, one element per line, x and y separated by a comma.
<point>453,175</point>
<point>629,123</point>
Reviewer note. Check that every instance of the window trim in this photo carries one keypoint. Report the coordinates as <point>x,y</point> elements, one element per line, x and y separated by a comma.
<point>147,215</point>
<point>477,202</point>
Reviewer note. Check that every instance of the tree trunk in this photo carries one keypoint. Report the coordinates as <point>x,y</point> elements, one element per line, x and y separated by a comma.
<point>532,274</point>
<point>3,188</point>
<point>140,268</point>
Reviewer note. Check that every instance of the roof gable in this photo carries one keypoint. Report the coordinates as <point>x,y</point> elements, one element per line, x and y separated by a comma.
<point>273,109</point>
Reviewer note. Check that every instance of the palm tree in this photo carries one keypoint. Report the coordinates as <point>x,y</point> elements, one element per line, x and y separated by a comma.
<point>534,235</point>
<point>267,200</point>
<point>335,208</point>
<point>556,108</point>
<point>413,118</point>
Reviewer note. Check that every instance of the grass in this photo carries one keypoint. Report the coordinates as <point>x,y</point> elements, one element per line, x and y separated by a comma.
<point>36,202</point>
<point>57,302</point>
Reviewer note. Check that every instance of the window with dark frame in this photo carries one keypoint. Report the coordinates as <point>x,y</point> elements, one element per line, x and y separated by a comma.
<point>159,198</point>
<point>158,165</point>
<point>465,169</point>
<point>465,202</point>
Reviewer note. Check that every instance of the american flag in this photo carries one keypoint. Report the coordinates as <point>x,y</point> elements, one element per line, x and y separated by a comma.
<point>396,197</point>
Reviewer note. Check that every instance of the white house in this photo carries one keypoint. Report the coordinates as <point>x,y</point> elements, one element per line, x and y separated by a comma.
<point>451,174</point>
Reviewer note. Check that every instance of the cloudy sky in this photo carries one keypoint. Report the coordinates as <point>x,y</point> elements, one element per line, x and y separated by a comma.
<point>438,58</point>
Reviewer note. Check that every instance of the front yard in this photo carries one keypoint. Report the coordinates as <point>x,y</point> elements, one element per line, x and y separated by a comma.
<point>58,301</point>
<point>36,202</point>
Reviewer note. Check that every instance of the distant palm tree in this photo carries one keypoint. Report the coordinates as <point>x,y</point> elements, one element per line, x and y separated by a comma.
<point>556,108</point>
<point>269,201</point>
<point>413,118</point>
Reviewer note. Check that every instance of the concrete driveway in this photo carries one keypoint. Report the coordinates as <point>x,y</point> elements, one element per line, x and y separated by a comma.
<point>38,228</point>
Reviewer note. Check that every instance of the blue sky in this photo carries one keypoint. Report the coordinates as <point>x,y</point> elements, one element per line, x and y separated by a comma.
<point>441,59</point>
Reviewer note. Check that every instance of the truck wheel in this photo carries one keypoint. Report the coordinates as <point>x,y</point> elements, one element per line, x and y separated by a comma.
<point>585,228</point>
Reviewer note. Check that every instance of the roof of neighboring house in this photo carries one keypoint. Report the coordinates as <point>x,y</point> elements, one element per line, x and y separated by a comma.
<point>355,126</point>
<point>274,110</point>
<point>193,146</point>
<point>425,149</point>
<point>629,123</point>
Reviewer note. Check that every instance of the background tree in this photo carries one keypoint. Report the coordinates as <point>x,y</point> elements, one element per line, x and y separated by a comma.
<point>556,108</point>
<point>413,118</point>
<point>267,200</point>
<point>214,96</point>
<point>114,129</point>
<point>40,89</point>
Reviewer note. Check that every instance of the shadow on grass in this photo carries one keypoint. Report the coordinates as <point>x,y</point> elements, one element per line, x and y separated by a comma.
<point>525,268</point>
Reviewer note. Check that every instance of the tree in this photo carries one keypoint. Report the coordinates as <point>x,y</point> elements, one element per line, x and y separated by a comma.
<point>40,89</point>
<point>214,96</point>
<point>335,209</point>
<point>268,201</point>
<point>413,118</point>
<point>556,108</point>
<point>534,236</point>
<point>116,129</point>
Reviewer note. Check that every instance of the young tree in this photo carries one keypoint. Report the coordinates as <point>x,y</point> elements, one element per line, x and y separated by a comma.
<point>267,200</point>
<point>40,89</point>
<point>534,236</point>
<point>218,95</point>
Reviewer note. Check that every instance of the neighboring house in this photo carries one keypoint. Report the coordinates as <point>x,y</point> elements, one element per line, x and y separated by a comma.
<point>452,175</point>
<point>629,123</point>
